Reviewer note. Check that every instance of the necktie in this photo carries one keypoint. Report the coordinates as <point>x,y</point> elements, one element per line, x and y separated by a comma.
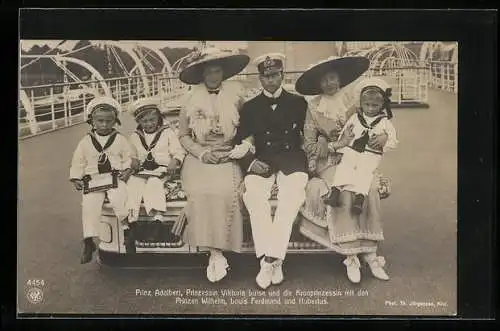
<point>272,101</point>
<point>216,92</point>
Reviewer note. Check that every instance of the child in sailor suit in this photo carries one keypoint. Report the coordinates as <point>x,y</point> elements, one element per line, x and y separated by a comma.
<point>102,150</point>
<point>359,161</point>
<point>158,153</point>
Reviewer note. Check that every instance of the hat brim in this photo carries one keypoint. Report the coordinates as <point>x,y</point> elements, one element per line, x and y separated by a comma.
<point>348,68</point>
<point>231,65</point>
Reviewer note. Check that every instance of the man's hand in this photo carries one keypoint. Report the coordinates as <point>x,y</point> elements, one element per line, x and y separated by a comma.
<point>125,174</point>
<point>378,141</point>
<point>260,168</point>
<point>210,158</point>
<point>78,184</point>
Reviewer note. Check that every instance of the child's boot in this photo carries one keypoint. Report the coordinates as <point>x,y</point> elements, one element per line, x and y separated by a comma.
<point>88,249</point>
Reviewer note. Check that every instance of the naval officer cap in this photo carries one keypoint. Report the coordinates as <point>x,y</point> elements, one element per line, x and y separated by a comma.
<point>270,63</point>
<point>144,105</point>
<point>103,103</point>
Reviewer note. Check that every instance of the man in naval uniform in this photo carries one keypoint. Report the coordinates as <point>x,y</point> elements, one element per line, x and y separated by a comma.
<point>270,150</point>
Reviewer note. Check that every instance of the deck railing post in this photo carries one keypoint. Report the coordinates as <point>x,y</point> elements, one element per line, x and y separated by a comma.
<point>52,110</point>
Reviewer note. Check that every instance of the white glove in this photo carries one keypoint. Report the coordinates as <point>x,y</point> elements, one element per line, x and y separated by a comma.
<point>240,150</point>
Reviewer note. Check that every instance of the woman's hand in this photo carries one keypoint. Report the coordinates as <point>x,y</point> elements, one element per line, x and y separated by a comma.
<point>322,147</point>
<point>378,141</point>
<point>209,158</point>
<point>347,136</point>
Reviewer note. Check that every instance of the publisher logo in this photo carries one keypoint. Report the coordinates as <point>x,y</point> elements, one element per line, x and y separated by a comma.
<point>35,295</point>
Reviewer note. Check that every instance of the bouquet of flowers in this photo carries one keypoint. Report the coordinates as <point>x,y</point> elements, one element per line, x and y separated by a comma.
<point>174,191</point>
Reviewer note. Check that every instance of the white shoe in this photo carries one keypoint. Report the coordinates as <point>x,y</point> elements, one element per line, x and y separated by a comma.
<point>265,274</point>
<point>277,276</point>
<point>217,268</point>
<point>352,265</point>
<point>376,264</point>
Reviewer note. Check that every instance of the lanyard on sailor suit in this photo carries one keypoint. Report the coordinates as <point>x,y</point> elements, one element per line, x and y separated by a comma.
<point>103,163</point>
<point>359,145</point>
<point>150,163</point>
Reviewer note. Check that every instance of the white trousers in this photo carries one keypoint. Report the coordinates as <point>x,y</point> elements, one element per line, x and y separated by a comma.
<point>92,208</point>
<point>270,236</point>
<point>148,189</point>
<point>355,171</point>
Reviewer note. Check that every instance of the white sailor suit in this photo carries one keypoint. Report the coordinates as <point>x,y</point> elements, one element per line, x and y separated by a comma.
<point>101,154</point>
<point>356,169</point>
<point>154,152</point>
<point>275,123</point>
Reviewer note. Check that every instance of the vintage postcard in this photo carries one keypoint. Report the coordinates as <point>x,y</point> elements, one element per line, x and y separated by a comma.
<point>250,177</point>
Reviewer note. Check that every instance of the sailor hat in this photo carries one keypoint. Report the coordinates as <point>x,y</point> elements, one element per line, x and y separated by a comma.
<point>380,85</point>
<point>104,103</point>
<point>374,82</point>
<point>141,106</point>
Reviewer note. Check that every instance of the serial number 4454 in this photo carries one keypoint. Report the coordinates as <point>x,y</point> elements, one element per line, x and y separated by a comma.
<point>35,282</point>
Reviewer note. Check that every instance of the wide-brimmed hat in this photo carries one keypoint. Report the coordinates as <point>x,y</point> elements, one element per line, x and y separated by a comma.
<point>231,64</point>
<point>348,68</point>
<point>103,103</point>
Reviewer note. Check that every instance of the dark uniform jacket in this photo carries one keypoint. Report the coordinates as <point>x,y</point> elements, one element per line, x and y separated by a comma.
<point>277,133</point>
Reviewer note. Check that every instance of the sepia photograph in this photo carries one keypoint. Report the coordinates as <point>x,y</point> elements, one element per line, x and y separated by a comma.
<point>183,177</point>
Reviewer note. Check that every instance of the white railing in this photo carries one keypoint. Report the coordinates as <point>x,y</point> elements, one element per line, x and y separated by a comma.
<point>46,108</point>
<point>444,75</point>
<point>409,84</point>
